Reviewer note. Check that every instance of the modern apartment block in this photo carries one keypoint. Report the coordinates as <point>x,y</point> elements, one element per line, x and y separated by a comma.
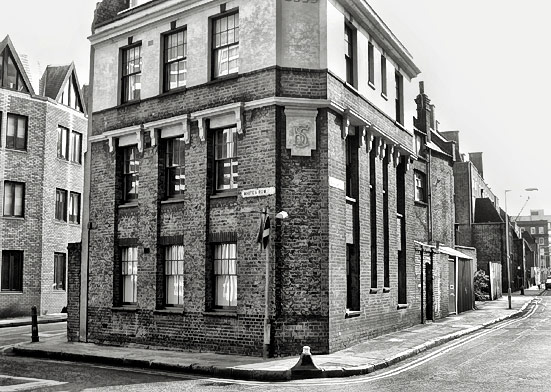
<point>539,226</point>
<point>206,113</point>
<point>41,181</point>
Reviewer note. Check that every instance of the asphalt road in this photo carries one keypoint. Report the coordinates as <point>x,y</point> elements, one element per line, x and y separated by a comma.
<point>514,355</point>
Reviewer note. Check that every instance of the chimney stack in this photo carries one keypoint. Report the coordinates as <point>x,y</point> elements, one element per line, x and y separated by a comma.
<point>476,159</point>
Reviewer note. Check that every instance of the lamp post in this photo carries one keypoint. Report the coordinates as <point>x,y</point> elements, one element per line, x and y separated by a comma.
<point>508,260</point>
<point>263,227</point>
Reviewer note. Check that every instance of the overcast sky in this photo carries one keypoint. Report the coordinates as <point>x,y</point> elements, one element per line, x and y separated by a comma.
<point>484,63</point>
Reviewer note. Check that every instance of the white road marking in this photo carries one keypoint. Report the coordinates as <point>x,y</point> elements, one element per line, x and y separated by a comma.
<point>28,384</point>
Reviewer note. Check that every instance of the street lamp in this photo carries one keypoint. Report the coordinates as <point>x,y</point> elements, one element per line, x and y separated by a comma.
<point>508,260</point>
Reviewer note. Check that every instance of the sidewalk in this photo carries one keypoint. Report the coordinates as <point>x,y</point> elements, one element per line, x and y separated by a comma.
<point>363,358</point>
<point>20,321</point>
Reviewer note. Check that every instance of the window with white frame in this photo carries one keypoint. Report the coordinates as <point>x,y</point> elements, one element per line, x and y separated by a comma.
<point>225,44</point>
<point>174,275</point>
<point>129,275</point>
<point>541,241</point>
<point>175,59</point>
<point>540,230</point>
<point>131,175</point>
<point>532,230</point>
<point>226,162</point>
<point>175,167</point>
<point>225,273</point>
<point>420,186</point>
<point>131,73</point>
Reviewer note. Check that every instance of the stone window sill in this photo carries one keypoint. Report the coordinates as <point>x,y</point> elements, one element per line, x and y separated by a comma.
<point>220,313</point>
<point>232,193</point>
<point>420,203</point>
<point>373,290</point>
<point>173,200</point>
<point>169,311</point>
<point>402,306</point>
<point>128,205</point>
<point>352,313</point>
<point>386,289</point>
<point>129,308</point>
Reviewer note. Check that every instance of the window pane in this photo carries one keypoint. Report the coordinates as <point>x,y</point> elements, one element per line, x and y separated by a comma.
<point>18,202</point>
<point>225,269</point>
<point>11,81</point>
<point>8,198</point>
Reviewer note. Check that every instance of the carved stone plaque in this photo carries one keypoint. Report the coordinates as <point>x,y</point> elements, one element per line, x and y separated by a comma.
<point>301,131</point>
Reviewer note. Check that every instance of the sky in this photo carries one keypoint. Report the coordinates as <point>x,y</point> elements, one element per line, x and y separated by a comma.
<point>483,63</point>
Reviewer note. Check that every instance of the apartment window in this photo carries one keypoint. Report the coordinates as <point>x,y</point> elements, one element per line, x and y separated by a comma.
<point>74,208</point>
<point>14,199</point>
<point>12,270</point>
<point>420,145</point>
<point>398,79</point>
<point>131,73</point>
<point>10,77</point>
<point>62,142</point>
<point>225,43</point>
<point>70,95</point>
<point>383,76</point>
<point>129,275</point>
<point>532,230</point>
<point>59,271</point>
<point>420,187</point>
<point>225,274</point>
<point>61,205</point>
<point>174,275</point>
<point>371,64</point>
<point>175,60</point>
<point>76,147</point>
<point>16,137</point>
<point>131,166</point>
<point>226,163</point>
<point>541,241</point>
<point>540,230</point>
<point>349,53</point>
<point>175,168</point>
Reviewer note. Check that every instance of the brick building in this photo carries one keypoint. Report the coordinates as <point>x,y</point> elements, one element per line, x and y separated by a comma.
<point>445,271</point>
<point>41,180</point>
<point>193,133</point>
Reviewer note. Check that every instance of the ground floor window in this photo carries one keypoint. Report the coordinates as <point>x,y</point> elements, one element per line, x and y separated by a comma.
<point>174,275</point>
<point>12,270</point>
<point>129,274</point>
<point>225,272</point>
<point>59,271</point>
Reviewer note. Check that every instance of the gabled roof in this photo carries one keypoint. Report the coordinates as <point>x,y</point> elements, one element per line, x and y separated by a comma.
<point>55,78</point>
<point>6,42</point>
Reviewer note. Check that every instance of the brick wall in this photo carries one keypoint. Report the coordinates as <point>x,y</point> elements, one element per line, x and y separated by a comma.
<point>73,292</point>
<point>489,241</point>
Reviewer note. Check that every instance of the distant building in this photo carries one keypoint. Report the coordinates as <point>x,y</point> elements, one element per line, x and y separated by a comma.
<point>203,116</point>
<point>539,226</point>
<point>41,180</point>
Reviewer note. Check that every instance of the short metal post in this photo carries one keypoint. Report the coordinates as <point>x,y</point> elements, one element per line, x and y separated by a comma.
<point>34,324</point>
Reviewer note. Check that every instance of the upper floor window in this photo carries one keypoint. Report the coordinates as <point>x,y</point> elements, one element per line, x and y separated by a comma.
<point>76,147</point>
<point>70,95</point>
<point>131,73</point>
<point>383,75</point>
<point>532,230</point>
<point>12,270</point>
<point>62,142</point>
<point>10,75</point>
<point>131,166</point>
<point>175,60</point>
<point>61,205</point>
<point>74,207</point>
<point>175,168</point>
<point>349,53</point>
<point>420,145</point>
<point>14,199</point>
<point>420,187</point>
<point>540,230</point>
<point>371,64</point>
<point>225,45</point>
<point>226,163</point>
<point>399,81</point>
<point>541,240</point>
<point>16,137</point>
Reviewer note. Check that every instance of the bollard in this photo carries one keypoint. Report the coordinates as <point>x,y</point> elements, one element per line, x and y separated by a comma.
<point>34,325</point>
<point>305,367</point>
